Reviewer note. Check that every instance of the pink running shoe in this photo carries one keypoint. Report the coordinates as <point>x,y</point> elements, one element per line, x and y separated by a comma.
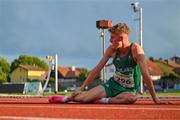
<point>102,101</point>
<point>97,101</point>
<point>57,99</point>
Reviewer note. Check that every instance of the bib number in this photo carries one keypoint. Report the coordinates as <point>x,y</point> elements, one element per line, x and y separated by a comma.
<point>124,80</point>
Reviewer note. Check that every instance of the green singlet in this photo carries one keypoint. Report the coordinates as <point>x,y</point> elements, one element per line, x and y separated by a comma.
<point>126,77</point>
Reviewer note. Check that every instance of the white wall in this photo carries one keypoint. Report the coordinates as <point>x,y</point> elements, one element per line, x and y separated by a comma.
<point>110,70</point>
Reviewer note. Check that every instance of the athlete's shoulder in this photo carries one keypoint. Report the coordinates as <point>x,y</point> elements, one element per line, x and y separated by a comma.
<point>135,45</point>
<point>110,51</point>
<point>137,48</point>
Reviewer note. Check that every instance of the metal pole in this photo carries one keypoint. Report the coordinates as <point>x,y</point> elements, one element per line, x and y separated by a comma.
<point>141,44</point>
<point>141,32</point>
<point>56,73</point>
<point>102,35</point>
<point>50,64</point>
<point>136,8</point>
<point>104,75</point>
<point>47,79</point>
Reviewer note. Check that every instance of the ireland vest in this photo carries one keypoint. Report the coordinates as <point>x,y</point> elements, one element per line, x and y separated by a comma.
<point>127,72</point>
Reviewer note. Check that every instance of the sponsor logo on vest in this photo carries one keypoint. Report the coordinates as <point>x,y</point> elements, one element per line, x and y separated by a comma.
<point>127,69</point>
<point>118,59</point>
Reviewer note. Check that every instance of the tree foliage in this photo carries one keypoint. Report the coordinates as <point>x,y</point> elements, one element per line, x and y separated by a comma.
<point>83,74</point>
<point>4,70</point>
<point>151,58</point>
<point>28,60</point>
<point>171,75</point>
<point>3,76</point>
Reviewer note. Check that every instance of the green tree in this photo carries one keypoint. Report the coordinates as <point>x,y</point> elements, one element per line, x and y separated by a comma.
<point>4,70</point>
<point>151,58</point>
<point>172,79</point>
<point>83,74</point>
<point>3,76</point>
<point>171,76</point>
<point>28,60</point>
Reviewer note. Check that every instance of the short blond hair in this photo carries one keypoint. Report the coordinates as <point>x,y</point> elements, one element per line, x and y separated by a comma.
<point>120,28</point>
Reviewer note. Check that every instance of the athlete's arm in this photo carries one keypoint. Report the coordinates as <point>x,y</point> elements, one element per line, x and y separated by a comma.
<point>96,70</point>
<point>140,59</point>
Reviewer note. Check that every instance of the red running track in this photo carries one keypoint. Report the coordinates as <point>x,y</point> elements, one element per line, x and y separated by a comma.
<point>40,109</point>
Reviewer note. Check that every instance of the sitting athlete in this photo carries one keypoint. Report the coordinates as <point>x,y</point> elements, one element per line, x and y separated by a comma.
<point>122,87</point>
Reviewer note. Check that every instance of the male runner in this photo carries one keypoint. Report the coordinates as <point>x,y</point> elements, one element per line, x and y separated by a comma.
<point>122,87</point>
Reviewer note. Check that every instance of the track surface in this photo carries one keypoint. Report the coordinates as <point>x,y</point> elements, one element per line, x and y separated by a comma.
<point>40,109</point>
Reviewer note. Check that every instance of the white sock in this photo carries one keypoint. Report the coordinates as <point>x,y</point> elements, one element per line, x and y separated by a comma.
<point>104,100</point>
<point>66,99</point>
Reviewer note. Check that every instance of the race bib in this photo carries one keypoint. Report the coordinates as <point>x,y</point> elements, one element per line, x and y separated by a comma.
<point>124,80</point>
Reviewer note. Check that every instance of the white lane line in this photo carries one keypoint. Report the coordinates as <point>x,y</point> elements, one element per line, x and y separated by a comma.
<point>94,107</point>
<point>37,118</point>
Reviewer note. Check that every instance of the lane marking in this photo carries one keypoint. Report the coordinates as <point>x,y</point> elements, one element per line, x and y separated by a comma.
<point>38,118</point>
<point>94,107</point>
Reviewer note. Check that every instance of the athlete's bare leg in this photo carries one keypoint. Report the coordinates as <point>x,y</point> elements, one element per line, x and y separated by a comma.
<point>99,92</point>
<point>91,95</point>
<point>123,98</point>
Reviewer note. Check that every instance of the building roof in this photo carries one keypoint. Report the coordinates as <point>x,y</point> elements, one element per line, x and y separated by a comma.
<point>167,66</point>
<point>31,67</point>
<point>67,72</point>
<point>173,64</point>
<point>176,57</point>
<point>177,70</point>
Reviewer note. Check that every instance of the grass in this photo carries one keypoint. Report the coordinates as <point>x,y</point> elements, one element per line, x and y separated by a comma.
<point>161,94</point>
<point>145,94</point>
<point>165,68</point>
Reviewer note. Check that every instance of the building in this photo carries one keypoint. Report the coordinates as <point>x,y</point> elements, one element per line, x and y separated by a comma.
<point>23,73</point>
<point>172,63</point>
<point>153,69</point>
<point>176,59</point>
<point>67,78</point>
<point>109,71</point>
<point>68,74</point>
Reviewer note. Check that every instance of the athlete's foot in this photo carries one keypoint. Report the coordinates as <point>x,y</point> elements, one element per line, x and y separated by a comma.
<point>101,100</point>
<point>58,99</point>
<point>97,101</point>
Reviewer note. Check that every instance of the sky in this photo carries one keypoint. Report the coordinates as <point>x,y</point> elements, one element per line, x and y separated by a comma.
<point>68,28</point>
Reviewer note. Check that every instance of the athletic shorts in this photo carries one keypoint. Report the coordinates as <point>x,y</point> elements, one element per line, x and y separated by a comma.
<point>113,88</point>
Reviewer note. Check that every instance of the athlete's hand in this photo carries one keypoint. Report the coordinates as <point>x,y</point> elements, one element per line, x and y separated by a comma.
<point>162,102</point>
<point>74,94</point>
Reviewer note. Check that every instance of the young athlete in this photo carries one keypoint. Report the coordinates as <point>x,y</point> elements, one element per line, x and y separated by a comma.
<point>122,87</point>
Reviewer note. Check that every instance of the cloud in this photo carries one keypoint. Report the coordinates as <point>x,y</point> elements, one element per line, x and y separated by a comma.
<point>67,27</point>
<point>161,28</point>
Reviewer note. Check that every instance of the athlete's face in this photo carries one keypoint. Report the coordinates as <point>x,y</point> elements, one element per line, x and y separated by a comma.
<point>116,40</point>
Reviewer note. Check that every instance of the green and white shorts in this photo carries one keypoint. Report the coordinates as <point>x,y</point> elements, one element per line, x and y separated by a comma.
<point>113,88</point>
